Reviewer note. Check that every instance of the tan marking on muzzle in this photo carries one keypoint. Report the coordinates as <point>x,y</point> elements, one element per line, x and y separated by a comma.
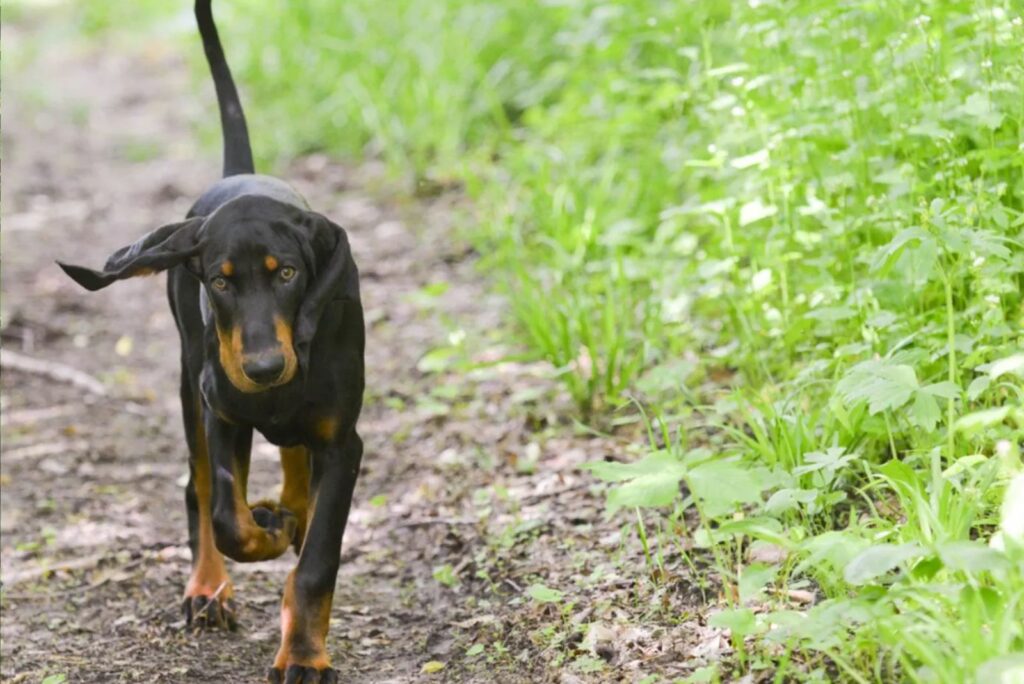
<point>283,331</point>
<point>231,356</point>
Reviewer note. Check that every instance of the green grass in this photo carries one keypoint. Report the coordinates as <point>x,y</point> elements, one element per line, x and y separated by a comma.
<point>799,222</point>
<point>795,227</point>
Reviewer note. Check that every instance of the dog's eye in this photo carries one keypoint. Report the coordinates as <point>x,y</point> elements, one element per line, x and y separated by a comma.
<point>287,273</point>
<point>219,283</point>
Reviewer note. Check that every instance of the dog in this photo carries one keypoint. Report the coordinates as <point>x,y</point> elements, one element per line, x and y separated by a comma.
<point>265,296</point>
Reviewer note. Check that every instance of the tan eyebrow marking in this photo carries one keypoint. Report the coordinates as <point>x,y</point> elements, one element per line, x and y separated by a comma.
<point>227,268</point>
<point>270,262</point>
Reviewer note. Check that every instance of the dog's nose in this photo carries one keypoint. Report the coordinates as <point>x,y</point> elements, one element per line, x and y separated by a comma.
<point>264,368</point>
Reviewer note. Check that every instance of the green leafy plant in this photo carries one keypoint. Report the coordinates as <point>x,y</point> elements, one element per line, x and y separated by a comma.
<point>795,230</point>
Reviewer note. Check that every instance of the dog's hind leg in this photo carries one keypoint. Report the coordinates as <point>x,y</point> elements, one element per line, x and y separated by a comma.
<point>208,594</point>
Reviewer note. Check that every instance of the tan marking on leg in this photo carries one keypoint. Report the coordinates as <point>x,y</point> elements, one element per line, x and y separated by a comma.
<point>258,543</point>
<point>326,428</point>
<point>295,487</point>
<point>208,571</point>
<point>304,628</point>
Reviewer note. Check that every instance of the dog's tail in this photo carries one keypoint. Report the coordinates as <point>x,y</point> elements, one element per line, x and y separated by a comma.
<point>237,152</point>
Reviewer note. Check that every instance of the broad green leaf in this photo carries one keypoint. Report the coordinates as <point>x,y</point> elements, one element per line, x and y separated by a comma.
<point>979,107</point>
<point>989,243</point>
<point>829,461</point>
<point>886,257</point>
<point>786,500</point>
<point>432,666</point>
<point>1011,520</point>
<point>945,390</point>
<point>647,491</point>
<point>882,385</point>
<point>971,556</point>
<point>836,548</point>
<point>903,478</point>
<point>760,527</point>
<point>753,579</point>
<point>759,158</point>
<point>830,314</point>
<point>879,560</point>
<point>543,594</point>
<point>979,420</point>
<point>1011,364</point>
<point>978,386</point>
<point>649,482</point>
<point>656,463</point>
<point>755,210</point>
<point>828,624</point>
<point>723,485</point>
<point>963,464</point>
<point>739,621</point>
<point>703,675</point>
<point>925,412</point>
<point>930,129</point>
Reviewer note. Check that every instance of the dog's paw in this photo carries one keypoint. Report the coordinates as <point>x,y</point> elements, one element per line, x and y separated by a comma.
<point>275,518</point>
<point>206,612</point>
<point>299,674</point>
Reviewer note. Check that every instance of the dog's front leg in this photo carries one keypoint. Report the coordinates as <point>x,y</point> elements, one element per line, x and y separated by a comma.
<point>208,594</point>
<point>240,535</point>
<point>309,589</point>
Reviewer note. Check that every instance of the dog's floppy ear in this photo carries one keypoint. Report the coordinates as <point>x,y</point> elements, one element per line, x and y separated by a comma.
<point>334,278</point>
<point>159,250</point>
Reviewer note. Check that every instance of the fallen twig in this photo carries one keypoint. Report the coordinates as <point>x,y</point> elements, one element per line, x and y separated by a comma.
<point>59,372</point>
<point>533,498</point>
<point>87,563</point>
<point>515,587</point>
<point>56,593</point>
<point>38,415</point>
<point>45,449</point>
<point>422,522</point>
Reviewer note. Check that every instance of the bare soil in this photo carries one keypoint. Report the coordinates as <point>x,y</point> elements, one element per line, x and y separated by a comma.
<point>471,490</point>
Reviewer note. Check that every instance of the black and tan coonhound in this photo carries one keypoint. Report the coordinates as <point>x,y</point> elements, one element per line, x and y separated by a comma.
<point>265,295</point>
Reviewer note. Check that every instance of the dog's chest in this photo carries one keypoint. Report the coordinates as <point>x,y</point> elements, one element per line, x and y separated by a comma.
<point>278,414</point>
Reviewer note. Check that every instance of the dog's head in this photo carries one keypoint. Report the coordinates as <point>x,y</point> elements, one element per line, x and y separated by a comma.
<point>268,270</point>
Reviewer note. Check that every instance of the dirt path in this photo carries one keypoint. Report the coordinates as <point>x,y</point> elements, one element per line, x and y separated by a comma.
<point>470,492</point>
